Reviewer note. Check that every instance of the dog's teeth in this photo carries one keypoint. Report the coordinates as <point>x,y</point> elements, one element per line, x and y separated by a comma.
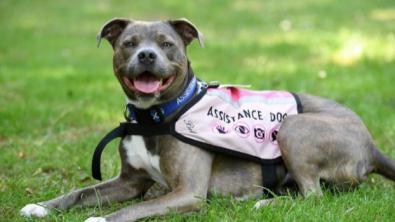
<point>160,81</point>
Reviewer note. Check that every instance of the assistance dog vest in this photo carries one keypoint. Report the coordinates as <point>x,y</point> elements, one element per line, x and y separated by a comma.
<point>238,122</point>
<point>230,121</point>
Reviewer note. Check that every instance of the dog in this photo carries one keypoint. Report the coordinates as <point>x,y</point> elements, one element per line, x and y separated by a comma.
<point>327,142</point>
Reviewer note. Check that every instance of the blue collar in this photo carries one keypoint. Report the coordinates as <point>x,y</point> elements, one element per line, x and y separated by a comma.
<point>158,113</point>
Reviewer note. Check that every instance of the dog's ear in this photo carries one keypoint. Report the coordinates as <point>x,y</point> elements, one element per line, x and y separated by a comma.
<point>187,31</point>
<point>112,30</point>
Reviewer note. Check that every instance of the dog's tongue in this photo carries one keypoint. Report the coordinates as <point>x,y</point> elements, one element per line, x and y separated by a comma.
<point>147,83</point>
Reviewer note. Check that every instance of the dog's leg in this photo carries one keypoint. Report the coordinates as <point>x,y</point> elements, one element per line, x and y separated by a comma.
<point>118,189</point>
<point>179,201</point>
<point>308,181</point>
<point>304,173</point>
<point>187,172</point>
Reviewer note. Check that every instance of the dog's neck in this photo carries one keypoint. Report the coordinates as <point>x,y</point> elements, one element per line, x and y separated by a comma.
<point>160,113</point>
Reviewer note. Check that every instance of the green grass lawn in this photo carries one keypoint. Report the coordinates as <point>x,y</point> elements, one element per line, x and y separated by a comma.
<point>58,96</point>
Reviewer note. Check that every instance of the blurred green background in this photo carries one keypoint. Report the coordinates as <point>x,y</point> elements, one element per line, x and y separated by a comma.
<point>58,96</point>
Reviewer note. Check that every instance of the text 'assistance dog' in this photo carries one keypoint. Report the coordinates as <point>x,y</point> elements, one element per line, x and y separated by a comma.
<point>195,138</point>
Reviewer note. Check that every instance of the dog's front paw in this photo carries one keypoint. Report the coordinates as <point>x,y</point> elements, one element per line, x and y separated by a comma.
<point>34,210</point>
<point>96,219</point>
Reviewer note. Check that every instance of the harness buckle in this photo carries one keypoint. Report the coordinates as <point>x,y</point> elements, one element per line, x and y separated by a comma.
<point>213,84</point>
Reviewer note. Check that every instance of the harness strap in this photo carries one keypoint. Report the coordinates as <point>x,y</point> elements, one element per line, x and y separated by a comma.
<point>115,133</point>
<point>125,129</point>
<point>268,179</point>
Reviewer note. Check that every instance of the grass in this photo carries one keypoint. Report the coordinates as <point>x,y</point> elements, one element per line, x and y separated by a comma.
<point>58,96</point>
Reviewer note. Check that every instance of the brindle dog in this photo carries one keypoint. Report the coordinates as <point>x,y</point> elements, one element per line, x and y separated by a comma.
<point>328,142</point>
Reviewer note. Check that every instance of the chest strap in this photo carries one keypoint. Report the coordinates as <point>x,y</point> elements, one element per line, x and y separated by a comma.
<point>125,129</point>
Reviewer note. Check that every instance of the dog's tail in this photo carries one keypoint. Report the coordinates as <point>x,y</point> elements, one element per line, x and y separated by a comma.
<point>383,165</point>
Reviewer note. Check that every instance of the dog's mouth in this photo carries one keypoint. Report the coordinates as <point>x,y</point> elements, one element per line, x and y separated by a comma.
<point>148,83</point>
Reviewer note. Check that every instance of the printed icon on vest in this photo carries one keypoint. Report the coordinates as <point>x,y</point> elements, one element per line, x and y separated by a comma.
<point>218,128</point>
<point>242,129</point>
<point>190,126</point>
<point>273,135</point>
<point>259,133</point>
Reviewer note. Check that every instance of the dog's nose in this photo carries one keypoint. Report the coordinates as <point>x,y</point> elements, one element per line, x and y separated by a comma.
<point>147,56</point>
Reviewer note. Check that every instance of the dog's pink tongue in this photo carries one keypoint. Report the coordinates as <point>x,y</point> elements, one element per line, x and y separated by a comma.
<point>147,83</point>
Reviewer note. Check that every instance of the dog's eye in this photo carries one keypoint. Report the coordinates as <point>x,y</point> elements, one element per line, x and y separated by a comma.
<point>130,44</point>
<point>167,44</point>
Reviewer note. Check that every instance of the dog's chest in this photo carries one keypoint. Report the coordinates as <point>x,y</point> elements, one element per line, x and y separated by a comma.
<point>140,158</point>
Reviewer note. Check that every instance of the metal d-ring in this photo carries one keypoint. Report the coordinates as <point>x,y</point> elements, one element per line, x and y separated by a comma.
<point>125,113</point>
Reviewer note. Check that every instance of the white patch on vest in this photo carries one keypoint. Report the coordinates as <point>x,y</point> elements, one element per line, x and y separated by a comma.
<point>140,158</point>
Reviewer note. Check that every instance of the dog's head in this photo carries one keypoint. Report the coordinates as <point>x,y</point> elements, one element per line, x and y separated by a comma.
<point>150,60</point>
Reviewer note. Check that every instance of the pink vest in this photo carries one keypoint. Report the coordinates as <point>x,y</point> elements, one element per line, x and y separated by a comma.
<point>238,122</point>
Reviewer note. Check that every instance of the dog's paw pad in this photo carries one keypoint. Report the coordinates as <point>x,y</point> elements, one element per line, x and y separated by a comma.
<point>96,219</point>
<point>34,210</point>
